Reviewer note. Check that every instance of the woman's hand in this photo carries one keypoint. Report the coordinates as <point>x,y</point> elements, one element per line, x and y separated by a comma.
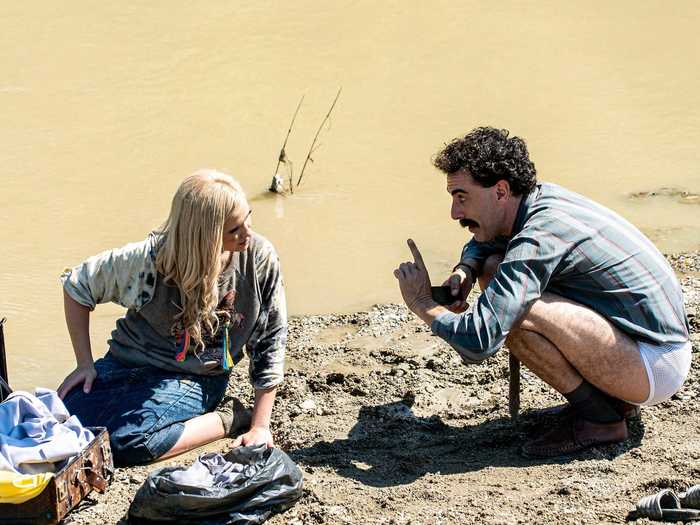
<point>255,436</point>
<point>84,375</point>
<point>259,432</point>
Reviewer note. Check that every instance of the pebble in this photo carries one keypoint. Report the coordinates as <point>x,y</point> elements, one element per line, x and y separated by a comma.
<point>308,405</point>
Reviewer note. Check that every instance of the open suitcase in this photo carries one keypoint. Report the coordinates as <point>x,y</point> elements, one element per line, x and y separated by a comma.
<point>91,469</point>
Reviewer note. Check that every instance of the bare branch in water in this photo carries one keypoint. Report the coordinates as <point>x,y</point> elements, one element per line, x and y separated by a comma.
<point>277,184</point>
<point>313,144</point>
<point>290,165</point>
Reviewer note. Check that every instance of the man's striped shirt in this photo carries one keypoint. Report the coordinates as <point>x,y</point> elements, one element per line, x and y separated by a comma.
<point>568,245</point>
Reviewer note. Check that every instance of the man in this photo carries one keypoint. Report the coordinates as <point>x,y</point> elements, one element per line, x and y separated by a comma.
<point>577,293</point>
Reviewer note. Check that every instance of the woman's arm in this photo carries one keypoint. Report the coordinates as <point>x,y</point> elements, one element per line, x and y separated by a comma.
<point>266,347</point>
<point>78,323</point>
<point>260,425</point>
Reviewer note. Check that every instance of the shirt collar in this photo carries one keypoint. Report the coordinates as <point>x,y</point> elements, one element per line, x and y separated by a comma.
<point>523,209</point>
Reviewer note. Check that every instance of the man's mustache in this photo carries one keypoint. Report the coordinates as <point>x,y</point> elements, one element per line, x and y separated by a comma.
<point>466,223</point>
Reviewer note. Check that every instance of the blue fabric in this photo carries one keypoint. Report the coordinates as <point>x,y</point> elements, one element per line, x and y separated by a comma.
<point>143,408</point>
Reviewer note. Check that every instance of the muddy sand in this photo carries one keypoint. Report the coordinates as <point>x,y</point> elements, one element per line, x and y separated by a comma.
<point>389,427</point>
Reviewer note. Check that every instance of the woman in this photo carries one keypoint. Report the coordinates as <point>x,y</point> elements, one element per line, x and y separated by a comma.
<point>196,292</point>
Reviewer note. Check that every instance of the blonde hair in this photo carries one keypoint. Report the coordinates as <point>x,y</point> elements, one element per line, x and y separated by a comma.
<point>191,251</point>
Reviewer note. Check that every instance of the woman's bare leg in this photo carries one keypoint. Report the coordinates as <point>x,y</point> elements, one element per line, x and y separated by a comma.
<point>199,431</point>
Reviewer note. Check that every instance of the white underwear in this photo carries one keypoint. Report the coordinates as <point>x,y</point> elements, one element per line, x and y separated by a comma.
<point>667,367</point>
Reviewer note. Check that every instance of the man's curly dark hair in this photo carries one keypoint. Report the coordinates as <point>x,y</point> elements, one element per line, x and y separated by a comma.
<point>490,155</point>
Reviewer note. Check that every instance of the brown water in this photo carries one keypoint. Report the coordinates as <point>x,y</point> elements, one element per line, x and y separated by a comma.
<point>106,107</point>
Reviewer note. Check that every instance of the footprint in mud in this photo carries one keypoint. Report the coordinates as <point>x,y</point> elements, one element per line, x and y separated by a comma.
<point>680,195</point>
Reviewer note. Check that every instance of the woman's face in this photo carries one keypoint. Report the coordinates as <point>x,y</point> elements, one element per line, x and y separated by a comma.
<point>238,229</point>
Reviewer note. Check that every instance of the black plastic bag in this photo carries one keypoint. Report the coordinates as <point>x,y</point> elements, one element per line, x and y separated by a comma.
<point>246,485</point>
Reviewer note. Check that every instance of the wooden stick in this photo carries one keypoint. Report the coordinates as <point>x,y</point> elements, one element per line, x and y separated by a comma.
<point>313,144</point>
<point>5,389</point>
<point>514,387</point>
<point>290,165</point>
<point>283,153</point>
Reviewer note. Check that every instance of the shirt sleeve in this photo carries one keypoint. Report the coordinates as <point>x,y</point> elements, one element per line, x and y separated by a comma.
<point>480,251</point>
<point>121,276</point>
<point>267,343</point>
<point>529,263</point>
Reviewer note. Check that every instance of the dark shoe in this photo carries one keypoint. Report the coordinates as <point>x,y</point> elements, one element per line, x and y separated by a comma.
<point>691,497</point>
<point>665,506</point>
<point>573,435</point>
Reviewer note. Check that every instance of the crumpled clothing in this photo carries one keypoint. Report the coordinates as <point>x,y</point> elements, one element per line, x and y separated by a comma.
<point>212,470</point>
<point>17,488</point>
<point>36,432</point>
<point>246,485</point>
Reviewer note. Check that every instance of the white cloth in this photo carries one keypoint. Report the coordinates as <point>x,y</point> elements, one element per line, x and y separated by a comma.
<point>213,470</point>
<point>36,431</point>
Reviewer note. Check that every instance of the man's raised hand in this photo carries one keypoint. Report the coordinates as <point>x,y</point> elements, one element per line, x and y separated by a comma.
<point>413,278</point>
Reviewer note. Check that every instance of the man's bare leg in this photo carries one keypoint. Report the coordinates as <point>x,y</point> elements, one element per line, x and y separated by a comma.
<point>584,357</point>
<point>563,343</point>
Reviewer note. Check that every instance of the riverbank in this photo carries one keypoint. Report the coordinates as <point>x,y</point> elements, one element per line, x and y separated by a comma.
<point>389,427</point>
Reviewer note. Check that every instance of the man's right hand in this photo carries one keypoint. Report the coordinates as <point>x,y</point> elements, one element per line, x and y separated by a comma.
<point>460,283</point>
<point>84,375</point>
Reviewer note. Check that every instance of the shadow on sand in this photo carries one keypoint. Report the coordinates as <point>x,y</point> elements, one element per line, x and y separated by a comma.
<point>389,445</point>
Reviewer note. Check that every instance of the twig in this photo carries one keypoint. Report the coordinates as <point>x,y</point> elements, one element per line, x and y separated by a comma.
<point>283,154</point>
<point>290,165</point>
<point>514,388</point>
<point>311,149</point>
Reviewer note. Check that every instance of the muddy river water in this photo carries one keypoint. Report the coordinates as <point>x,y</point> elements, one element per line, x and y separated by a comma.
<point>105,107</point>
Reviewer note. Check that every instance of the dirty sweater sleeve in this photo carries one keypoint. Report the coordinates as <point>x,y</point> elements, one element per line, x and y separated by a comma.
<point>266,346</point>
<point>531,259</point>
<point>119,275</point>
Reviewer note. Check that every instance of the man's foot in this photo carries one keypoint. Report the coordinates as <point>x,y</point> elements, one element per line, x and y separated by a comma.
<point>235,417</point>
<point>573,435</point>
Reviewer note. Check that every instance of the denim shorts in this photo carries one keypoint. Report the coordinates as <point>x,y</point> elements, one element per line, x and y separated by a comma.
<point>143,408</point>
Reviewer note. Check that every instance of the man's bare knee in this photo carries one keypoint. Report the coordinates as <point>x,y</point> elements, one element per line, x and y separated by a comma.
<point>514,337</point>
<point>514,342</point>
<point>519,342</point>
<point>489,269</point>
<point>541,309</point>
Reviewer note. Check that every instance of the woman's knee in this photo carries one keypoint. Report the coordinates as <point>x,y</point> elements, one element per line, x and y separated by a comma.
<point>136,446</point>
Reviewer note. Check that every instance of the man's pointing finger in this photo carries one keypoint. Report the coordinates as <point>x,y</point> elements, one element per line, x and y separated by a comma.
<point>417,257</point>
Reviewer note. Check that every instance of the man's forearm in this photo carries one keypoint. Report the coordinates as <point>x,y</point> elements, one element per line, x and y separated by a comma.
<point>428,310</point>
